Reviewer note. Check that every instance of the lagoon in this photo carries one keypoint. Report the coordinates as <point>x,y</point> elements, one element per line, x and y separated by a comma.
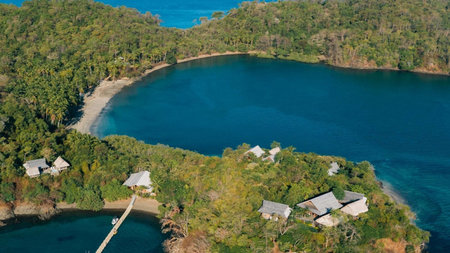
<point>398,121</point>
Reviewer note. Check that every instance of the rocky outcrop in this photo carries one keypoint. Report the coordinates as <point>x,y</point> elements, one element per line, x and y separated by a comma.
<point>5,212</point>
<point>8,211</point>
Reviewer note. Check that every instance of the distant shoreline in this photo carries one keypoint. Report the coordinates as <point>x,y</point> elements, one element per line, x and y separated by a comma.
<point>95,102</point>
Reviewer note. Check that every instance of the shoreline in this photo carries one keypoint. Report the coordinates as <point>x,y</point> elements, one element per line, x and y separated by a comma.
<point>98,99</point>
<point>95,102</point>
<point>144,205</point>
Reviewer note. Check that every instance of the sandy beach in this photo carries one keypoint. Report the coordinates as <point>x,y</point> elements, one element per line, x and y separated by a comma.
<point>99,98</point>
<point>142,204</point>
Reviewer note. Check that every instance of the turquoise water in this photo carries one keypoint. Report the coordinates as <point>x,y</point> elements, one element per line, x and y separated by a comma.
<point>173,13</point>
<point>398,121</point>
<point>82,232</point>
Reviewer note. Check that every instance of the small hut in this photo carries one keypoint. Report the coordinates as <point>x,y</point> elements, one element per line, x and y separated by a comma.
<point>257,151</point>
<point>273,152</point>
<point>321,204</point>
<point>140,179</point>
<point>60,164</point>
<point>34,168</point>
<point>334,169</point>
<point>269,209</point>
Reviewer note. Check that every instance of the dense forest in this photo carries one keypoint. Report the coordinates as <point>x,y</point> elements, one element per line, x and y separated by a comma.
<point>54,52</point>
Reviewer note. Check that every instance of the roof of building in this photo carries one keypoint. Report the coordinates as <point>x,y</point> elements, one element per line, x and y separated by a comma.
<point>351,196</point>
<point>321,204</point>
<point>60,163</point>
<point>328,220</point>
<point>269,158</point>
<point>139,179</point>
<point>275,151</point>
<point>34,171</point>
<point>270,207</point>
<point>334,168</point>
<point>257,151</point>
<point>356,208</point>
<point>38,163</point>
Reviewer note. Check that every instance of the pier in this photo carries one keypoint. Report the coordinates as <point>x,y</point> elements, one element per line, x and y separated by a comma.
<point>116,226</point>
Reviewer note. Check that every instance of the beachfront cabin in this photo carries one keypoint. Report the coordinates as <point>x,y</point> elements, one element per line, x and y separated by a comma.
<point>334,169</point>
<point>60,164</point>
<point>257,151</point>
<point>34,168</point>
<point>271,210</point>
<point>356,208</point>
<point>321,204</point>
<point>140,179</point>
<point>327,220</point>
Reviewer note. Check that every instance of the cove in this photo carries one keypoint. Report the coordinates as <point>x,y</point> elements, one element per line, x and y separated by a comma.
<point>81,231</point>
<point>398,121</point>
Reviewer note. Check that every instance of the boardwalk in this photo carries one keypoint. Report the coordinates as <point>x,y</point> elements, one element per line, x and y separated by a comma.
<point>116,227</point>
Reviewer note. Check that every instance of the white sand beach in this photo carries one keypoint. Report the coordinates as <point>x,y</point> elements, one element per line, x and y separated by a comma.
<point>99,98</point>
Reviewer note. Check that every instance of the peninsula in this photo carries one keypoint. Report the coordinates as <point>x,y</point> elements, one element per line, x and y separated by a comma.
<point>54,53</point>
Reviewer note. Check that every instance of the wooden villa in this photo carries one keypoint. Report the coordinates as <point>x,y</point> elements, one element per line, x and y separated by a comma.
<point>270,210</point>
<point>34,168</point>
<point>321,204</point>
<point>140,179</point>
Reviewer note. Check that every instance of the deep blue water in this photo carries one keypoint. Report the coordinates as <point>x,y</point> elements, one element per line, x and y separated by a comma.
<point>398,121</point>
<point>82,232</point>
<point>173,13</point>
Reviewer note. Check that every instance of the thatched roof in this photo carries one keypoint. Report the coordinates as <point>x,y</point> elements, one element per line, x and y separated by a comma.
<point>33,172</point>
<point>38,163</point>
<point>275,151</point>
<point>351,196</point>
<point>257,151</point>
<point>139,179</point>
<point>322,204</point>
<point>356,208</point>
<point>60,163</point>
<point>271,208</point>
<point>334,169</point>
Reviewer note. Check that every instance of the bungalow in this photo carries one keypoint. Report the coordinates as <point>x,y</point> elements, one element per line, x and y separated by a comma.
<point>334,169</point>
<point>322,204</point>
<point>355,203</point>
<point>269,209</point>
<point>356,208</point>
<point>257,151</point>
<point>34,168</point>
<point>140,179</point>
<point>60,164</point>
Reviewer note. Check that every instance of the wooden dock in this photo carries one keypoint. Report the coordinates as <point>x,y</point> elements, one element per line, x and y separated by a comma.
<point>116,227</point>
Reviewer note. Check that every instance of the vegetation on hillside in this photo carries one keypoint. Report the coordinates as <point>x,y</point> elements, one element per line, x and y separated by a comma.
<point>54,52</point>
